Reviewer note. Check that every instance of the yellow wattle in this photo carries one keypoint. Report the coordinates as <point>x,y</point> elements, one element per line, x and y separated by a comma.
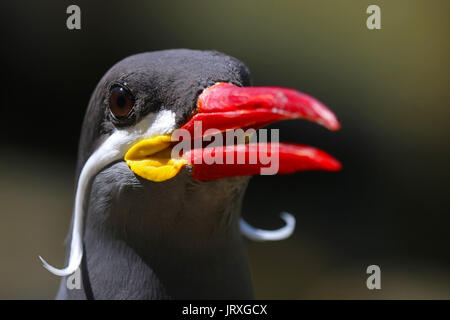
<point>151,159</point>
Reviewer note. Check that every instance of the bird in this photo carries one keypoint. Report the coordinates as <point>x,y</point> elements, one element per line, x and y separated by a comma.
<point>148,224</point>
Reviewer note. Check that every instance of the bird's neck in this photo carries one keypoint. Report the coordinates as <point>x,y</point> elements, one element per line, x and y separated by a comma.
<point>188,247</point>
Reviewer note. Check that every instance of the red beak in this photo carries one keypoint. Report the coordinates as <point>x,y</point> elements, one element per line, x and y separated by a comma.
<point>225,106</point>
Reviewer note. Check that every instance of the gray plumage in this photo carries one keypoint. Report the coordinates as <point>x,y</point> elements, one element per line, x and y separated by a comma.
<point>172,239</point>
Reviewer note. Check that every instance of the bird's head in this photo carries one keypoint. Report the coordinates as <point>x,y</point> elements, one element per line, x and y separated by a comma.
<point>150,102</point>
<point>156,129</point>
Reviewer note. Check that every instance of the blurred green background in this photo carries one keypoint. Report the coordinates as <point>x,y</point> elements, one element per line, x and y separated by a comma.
<point>389,88</point>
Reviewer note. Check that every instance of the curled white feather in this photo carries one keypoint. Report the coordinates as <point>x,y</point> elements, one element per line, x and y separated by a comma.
<point>269,235</point>
<point>112,149</point>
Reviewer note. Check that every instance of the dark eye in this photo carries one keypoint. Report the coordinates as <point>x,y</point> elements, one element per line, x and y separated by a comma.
<point>121,101</point>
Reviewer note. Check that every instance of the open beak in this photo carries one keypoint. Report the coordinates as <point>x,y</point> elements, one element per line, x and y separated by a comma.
<point>223,107</point>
